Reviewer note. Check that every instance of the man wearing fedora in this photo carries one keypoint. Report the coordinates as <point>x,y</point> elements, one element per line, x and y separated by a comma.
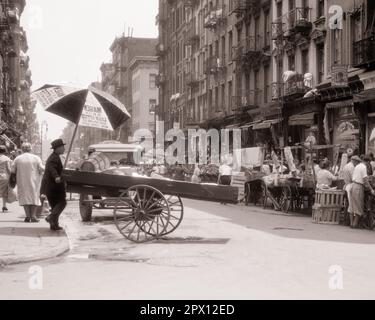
<point>53,187</point>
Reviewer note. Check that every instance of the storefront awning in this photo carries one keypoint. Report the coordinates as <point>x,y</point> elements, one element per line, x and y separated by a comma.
<point>250,125</point>
<point>306,119</point>
<point>340,104</point>
<point>363,96</point>
<point>266,124</point>
<point>368,79</point>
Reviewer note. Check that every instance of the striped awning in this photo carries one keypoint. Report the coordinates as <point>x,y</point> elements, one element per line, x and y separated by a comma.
<point>266,124</point>
<point>340,104</point>
<point>306,119</point>
<point>363,96</point>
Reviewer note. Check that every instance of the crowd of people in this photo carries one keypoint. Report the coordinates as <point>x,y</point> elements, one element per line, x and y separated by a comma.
<point>35,182</point>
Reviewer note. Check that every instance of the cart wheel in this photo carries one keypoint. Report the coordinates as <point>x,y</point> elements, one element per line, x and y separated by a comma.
<point>176,213</point>
<point>141,214</point>
<point>85,209</point>
<point>285,201</point>
<point>264,195</point>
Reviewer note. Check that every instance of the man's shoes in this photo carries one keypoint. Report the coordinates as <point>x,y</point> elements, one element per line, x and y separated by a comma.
<point>56,228</point>
<point>34,220</point>
<point>53,225</point>
<point>27,220</point>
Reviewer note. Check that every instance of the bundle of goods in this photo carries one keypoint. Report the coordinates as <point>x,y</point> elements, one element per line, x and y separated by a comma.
<point>209,173</point>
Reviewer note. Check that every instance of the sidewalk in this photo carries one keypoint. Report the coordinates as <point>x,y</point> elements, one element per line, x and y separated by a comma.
<point>22,242</point>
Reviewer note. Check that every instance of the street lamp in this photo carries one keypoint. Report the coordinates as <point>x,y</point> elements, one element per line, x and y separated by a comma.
<point>43,125</point>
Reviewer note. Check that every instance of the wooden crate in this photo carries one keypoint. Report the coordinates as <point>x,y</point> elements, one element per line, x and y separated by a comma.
<point>239,180</point>
<point>326,215</point>
<point>330,198</point>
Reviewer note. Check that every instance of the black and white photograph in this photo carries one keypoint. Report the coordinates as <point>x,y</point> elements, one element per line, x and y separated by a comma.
<point>220,151</point>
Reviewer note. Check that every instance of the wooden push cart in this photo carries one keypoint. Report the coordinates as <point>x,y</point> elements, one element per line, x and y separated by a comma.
<point>144,209</point>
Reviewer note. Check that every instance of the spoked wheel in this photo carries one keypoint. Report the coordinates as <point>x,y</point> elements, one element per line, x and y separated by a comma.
<point>285,201</point>
<point>176,213</point>
<point>142,214</point>
<point>85,208</point>
<point>264,195</point>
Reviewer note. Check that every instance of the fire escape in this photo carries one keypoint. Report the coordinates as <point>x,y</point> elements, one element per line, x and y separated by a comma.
<point>214,17</point>
<point>249,55</point>
<point>9,17</point>
<point>285,30</point>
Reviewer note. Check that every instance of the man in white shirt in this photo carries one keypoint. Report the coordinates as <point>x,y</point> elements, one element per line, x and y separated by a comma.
<point>357,192</point>
<point>225,175</point>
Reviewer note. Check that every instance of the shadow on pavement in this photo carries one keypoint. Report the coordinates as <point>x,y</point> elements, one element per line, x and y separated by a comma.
<point>295,226</point>
<point>28,232</point>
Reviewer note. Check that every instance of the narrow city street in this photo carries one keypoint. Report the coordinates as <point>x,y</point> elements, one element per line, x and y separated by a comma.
<point>218,252</point>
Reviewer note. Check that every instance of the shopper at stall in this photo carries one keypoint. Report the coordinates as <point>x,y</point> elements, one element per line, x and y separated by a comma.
<point>324,177</point>
<point>357,192</point>
<point>347,171</point>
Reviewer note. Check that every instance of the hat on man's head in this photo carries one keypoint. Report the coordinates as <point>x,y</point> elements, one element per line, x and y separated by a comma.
<point>57,143</point>
<point>356,158</point>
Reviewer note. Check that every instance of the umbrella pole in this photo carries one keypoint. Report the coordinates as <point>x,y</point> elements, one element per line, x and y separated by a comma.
<point>75,131</point>
<point>71,145</point>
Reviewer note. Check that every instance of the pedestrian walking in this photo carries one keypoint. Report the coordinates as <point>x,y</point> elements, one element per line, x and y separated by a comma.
<point>53,186</point>
<point>29,170</point>
<point>5,167</point>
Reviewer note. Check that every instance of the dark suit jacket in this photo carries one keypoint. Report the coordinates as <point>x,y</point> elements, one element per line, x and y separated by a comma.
<point>53,170</point>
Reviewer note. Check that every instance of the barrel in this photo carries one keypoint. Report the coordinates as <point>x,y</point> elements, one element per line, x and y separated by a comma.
<point>97,162</point>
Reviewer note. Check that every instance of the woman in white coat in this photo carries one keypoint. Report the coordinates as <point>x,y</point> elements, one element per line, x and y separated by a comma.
<point>29,170</point>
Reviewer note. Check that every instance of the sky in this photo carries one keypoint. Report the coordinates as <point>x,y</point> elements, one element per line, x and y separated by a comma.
<point>69,40</point>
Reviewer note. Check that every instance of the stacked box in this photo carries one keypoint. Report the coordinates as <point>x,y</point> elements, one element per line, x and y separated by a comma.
<point>328,206</point>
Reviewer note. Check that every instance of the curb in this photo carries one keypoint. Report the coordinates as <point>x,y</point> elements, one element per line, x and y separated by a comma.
<point>43,255</point>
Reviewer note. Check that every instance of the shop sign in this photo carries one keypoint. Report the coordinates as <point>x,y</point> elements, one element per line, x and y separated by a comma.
<point>339,75</point>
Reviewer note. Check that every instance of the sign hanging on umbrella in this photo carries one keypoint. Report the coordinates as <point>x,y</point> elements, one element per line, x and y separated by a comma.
<point>88,107</point>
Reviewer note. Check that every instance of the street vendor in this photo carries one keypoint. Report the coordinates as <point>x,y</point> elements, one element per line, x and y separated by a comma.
<point>310,140</point>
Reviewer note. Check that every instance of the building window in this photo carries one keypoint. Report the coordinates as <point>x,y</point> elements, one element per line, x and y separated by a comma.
<point>230,44</point>
<point>152,104</point>
<point>279,9</point>
<point>266,83</point>
<point>305,61</point>
<point>336,35</point>
<point>267,31</point>
<point>256,88</point>
<point>247,83</point>
<point>222,102</point>
<point>320,62</point>
<point>320,11</point>
<point>230,93</point>
<point>292,62</point>
<point>152,81</point>
<point>223,49</point>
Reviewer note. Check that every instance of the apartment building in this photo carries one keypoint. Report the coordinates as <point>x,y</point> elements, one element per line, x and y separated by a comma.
<point>17,118</point>
<point>322,53</point>
<point>117,76</point>
<point>144,92</point>
<point>215,62</point>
